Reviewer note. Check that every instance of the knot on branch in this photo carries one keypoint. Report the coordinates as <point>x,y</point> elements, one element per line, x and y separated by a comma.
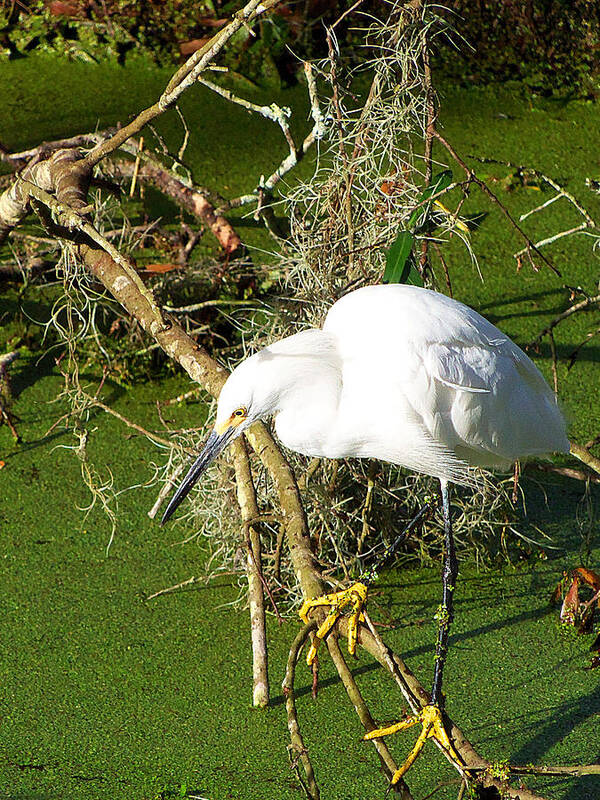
<point>70,178</point>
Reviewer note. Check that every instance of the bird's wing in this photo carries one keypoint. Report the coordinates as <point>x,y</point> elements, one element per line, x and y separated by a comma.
<point>499,404</point>
<point>457,366</point>
<point>476,392</point>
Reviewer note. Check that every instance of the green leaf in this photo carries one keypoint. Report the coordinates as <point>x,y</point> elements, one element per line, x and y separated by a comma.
<point>399,263</point>
<point>414,276</point>
<point>438,183</point>
<point>400,266</point>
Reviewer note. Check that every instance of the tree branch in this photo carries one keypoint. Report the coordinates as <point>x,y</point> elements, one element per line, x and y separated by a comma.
<point>188,197</point>
<point>249,509</point>
<point>311,787</point>
<point>185,77</point>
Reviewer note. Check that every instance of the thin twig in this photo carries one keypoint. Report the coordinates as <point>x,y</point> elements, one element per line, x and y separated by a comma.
<point>488,192</point>
<point>16,160</point>
<point>554,362</point>
<point>165,490</point>
<point>292,159</point>
<point>136,166</point>
<point>185,77</point>
<point>248,526</point>
<point>272,112</point>
<point>574,309</point>
<point>562,192</point>
<point>566,472</point>
<point>554,238</point>
<point>153,436</point>
<point>310,786</point>
<point>430,100</point>
<point>170,589</point>
<point>207,304</point>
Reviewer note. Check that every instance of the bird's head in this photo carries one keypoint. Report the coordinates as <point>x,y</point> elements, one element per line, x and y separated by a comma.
<point>257,388</point>
<point>250,393</point>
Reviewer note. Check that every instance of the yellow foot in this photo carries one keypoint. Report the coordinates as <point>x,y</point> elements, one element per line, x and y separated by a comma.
<point>355,597</point>
<point>430,718</point>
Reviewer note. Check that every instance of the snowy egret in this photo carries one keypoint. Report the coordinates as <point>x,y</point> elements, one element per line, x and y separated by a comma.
<point>405,375</point>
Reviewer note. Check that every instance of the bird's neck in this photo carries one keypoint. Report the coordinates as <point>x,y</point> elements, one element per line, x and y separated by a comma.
<point>309,392</point>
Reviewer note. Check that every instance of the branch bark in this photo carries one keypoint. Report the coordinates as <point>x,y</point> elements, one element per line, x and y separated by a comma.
<point>585,456</point>
<point>249,510</point>
<point>297,741</point>
<point>189,198</point>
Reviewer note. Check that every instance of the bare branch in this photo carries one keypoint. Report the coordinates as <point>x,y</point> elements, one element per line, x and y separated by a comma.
<point>185,77</point>
<point>585,456</point>
<point>273,112</point>
<point>488,192</point>
<point>582,305</point>
<point>42,151</point>
<point>246,495</point>
<point>311,787</point>
<point>190,198</point>
<point>567,772</point>
<point>294,156</point>
<point>357,700</point>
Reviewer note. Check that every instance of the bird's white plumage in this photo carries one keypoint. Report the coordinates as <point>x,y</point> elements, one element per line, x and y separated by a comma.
<point>405,375</point>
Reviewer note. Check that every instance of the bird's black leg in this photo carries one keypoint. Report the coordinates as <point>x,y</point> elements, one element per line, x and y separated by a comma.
<point>431,715</point>
<point>446,609</point>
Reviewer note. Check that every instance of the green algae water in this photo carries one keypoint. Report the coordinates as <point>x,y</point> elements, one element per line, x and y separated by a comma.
<point>106,694</point>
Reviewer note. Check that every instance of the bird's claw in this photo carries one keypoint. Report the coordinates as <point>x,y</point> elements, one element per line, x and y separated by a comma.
<point>432,723</point>
<point>355,597</point>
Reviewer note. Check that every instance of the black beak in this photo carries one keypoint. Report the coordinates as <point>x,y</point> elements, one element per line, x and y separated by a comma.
<point>214,445</point>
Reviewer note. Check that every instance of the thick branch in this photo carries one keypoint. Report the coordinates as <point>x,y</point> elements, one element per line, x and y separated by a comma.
<point>585,456</point>
<point>42,151</point>
<point>14,202</point>
<point>33,266</point>
<point>7,359</point>
<point>189,198</point>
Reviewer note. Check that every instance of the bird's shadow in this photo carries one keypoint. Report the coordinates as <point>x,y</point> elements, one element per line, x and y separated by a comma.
<point>558,722</point>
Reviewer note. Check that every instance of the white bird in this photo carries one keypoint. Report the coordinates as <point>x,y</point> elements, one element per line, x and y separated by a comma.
<point>405,375</point>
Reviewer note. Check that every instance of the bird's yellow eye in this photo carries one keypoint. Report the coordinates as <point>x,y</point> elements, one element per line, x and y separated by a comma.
<point>239,412</point>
